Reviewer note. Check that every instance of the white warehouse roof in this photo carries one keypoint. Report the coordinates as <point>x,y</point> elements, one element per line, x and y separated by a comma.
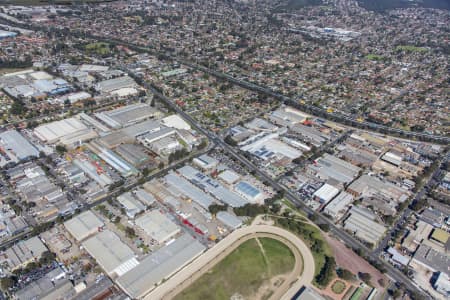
<point>160,265</point>
<point>175,121</point>
<point>229,220</point>
<point>326,193</point>
<point>54,131</point>
<point>229,176</point>
<point>111,253</point>
<point>83,225</point>
<point>158,226</point>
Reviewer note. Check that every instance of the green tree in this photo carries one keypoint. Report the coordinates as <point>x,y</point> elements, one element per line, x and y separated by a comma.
<point>129,232</point>
<point>6,283</point>
<point>345,274</point>
<point>47,257</point>
<point>215,208</point>
<point>61,149</point>
<point>364,277</point>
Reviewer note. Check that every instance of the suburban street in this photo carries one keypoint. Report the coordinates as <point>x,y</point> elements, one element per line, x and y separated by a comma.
<point>339,233</point>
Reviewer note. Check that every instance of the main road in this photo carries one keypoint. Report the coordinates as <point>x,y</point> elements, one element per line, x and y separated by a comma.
<point>346,238</point>
<point>336,117</point>
<point>301,275</point>
<point>350,241</point>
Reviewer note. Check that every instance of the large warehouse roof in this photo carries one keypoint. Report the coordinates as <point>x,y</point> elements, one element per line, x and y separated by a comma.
<point>189,190</point>
<point>111,253</point>
<point>212,186</point>
<point>158,226</point>
<point>248,190</point>
<point>228,219</point>
<point>326,193</point>
<point>176,121</point>
<point>16,146</point>
<point>329,166</point>
<point>160,265</point>
<point>83,225</point>
<point>54,131</point>
<point>118,83</point>
<point>126,115</point>
<point>364,227</point>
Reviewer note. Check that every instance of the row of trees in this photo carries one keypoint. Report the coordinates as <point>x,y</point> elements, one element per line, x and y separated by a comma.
<point>326,274</point>
<point>177,155</point>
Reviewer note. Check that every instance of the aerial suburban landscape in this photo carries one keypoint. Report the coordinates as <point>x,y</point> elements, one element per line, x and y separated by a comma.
<point>225,149</point>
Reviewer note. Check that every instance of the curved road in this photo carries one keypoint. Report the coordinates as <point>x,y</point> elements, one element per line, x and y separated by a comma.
<point>302,274</point>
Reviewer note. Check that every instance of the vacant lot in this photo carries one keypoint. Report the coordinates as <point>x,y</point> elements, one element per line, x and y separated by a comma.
<point>243,272</point>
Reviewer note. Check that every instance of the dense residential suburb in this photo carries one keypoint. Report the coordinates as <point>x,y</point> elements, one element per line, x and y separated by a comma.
<point>225,149</point>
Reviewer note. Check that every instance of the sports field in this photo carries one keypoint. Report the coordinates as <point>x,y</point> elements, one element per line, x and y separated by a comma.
<point>247,271</point>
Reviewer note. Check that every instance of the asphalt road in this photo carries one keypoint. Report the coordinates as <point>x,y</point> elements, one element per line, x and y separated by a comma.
<point>349,240</point>
<point>302,274</point>
<point>29,233</point>
<point>342,235</point>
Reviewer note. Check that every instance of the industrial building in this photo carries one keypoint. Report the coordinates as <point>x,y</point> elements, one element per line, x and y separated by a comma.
<point>120,165</point>
<point>52,285</point>
<point>93,122</point>
<point>248,191</point>
<point>205,162</point>
<point>287,116</point>
<point>134,154</point>
<point>229,220</point>
<point>90,170</point>
<point>159,266</point>
<point>267,146</point>
<point>358,157</point>
<point>37,84</point>
<point>361,222</point>
<point>70,132</point>
<point>307,293</point>
<point>229,177</point>
<point>325,193</point>
<point>145,198</point>
<point>188,190</point>
<point>331,167</point>
<point>165,145</point>
<point>175,121</point>
<point>432,259</point>
<point>35,187</point>
<point>128,134</point>
<point>392,158</point>
<point>158,226</point>
<point>416,236</point>
<point>10,224</point>
<point>116,85</point>
<point>442,284</point>
<point>168,137</point>
<point>22,253</point>
<point>15,148</point>
<point>84,225</point>
<point>310,134</point>
<point>131,205</point>
<point>127,115</point>
<point>115,257</point>
<point>258,124</point>
<point>211,186</point>
<point>368,186</point>
<point>337,207</point>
